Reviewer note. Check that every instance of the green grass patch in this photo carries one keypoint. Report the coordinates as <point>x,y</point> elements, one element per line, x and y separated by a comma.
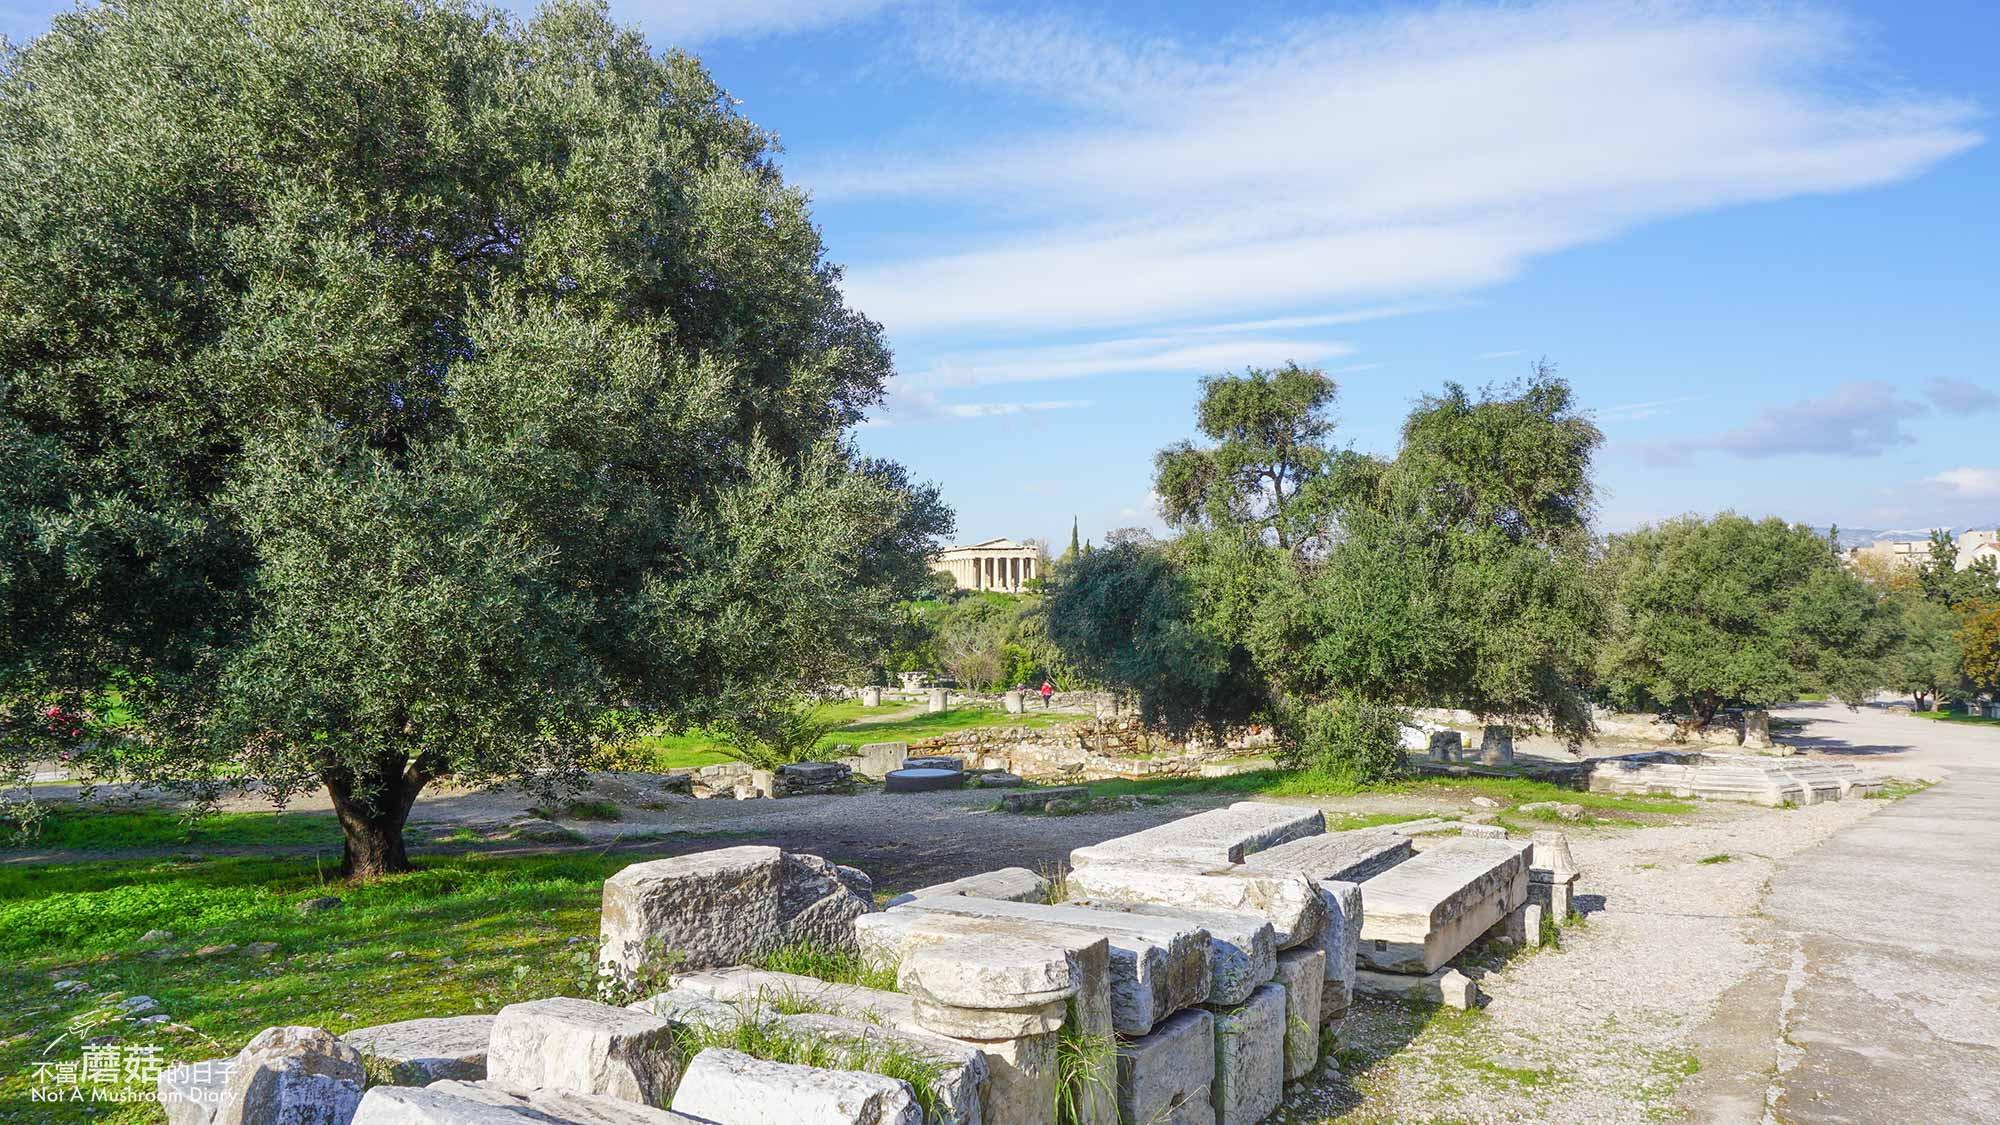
<point>1896,788</point>
<point>84,826</point>
<point>773,1040</point>
<point>1306,783</point>
<point>835,966</point>
<point>657,753</point>
<point>1719,857</point>
<point>475,933</point>
<point>1957,717</point>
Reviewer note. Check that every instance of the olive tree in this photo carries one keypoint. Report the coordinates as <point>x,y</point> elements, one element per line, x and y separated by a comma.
<point>396,390</point>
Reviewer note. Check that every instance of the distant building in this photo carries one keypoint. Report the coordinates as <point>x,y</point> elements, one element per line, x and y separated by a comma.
<point>997,564</point>
<point>1900,553</point>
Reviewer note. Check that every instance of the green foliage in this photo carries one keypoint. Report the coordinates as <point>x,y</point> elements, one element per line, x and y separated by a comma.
<point>780,735</point>
<point>1086,1074</point>
<point>1979,644</point>
<point>1927,659</point>
<point>1324,592</point>
<point>1729,610</point>
<point>410,390</point>
<point>1270,429</point>
<point>773,1039</point>
<point>1940,580</point>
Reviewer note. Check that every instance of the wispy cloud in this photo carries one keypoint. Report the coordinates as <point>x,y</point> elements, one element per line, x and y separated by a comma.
<point>1176,353</point>
<point>1859,418</point>
<point>1384,158</point>
<point>690,22</point>
<point>1960,396</point>
<point>913,404</point>
<point>1969,483</point>
<point>1509,354</point>
<point>1634,411</point>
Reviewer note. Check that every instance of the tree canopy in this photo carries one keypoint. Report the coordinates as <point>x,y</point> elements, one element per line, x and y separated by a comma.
<point>1456,573</point>
<point>1713,612</point>
<point>398,390</point>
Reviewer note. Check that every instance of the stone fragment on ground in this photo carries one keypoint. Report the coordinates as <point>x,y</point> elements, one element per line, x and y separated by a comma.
<point>1157,965</point>
<point>1218,836</point>
<point>1249,1077</point>
<point>1291,903</point>
<point>284,1074</point>
<point>452,1102</point>
<point>570,1044</point>
<point>732,1088</point>
<point>1243,948</point>
<point>1164,1076</point>
<point>726,907</point>
<point>1039,800</point>
<point>1420,914</point>
<point>419,1052</point>
<point>1446,986</point>
<point>1008,884</point>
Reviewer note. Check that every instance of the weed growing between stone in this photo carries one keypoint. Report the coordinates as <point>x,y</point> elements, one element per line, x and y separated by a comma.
<point>1719,857</point>
<point>835,966</point>
<point>1086,1073</point>
<point>771,1040</point>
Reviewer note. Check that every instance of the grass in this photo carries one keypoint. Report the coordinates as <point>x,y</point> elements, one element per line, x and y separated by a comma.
<point>835,966</point>
<point>1086,1074</point>
<point>774,1040</point>
<point>1305,783</point>
<point>1956,717</point>
<point>1896,788</point>
<point>87,827</point>
<point>1719,857</point>
<point>581,809</point>
<point>660,752</point>
<point>505,925</point>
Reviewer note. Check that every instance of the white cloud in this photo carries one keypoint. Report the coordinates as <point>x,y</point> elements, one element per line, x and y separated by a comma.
<point>1961,396</point>
<point>1858,418</point>
<point>907,403</point>
<point>686,22</point>
<point>1387,158</point>
<point>1177,353</point>
<point>1635,411</point>
<point>1503,355</point>
<point>1969,484</point>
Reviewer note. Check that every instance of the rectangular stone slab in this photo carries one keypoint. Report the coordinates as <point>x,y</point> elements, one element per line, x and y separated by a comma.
<point>1249,1058</point>
<point>1161,1072</point>
<point>1157,966</point>
<point>764,986</point>
<point>1218,836</point>
<point>565,1043</point>
<point>451,1102</point>
<point>419,1052</point>
<point>1341,942</point>
<point>1302,972</point>
<point>1421,913</point>
<point>1243,948</point>
<point>1289,902</point>
<point>1347,857</point>
<point>1008,884</point>
<point>886,939</point>
<point>730,1086</point>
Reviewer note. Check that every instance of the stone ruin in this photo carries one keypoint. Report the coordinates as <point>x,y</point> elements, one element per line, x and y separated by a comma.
<point>1753,778</point>
<point>1187,976</point>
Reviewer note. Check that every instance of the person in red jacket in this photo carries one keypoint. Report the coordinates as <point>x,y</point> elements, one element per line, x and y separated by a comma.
<point>1048,689</point>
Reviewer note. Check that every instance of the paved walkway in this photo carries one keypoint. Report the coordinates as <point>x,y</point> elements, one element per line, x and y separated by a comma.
<point>1881,998</point>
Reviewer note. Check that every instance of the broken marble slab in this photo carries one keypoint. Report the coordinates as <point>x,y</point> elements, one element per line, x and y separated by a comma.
<point>731,1087</point>
<point>1243,948</point>
<point>1008,884</point>
<point>1421,913</point>
<point>1218,836</point>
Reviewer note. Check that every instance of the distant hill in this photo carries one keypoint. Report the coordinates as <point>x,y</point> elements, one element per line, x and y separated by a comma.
<point>1862,536</point>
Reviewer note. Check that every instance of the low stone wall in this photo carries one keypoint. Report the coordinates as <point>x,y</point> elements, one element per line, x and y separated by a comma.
<point>1725,730</point>
<point>1119,748</point>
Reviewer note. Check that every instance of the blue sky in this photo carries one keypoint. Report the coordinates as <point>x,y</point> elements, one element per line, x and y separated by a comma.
<point>1763,241</point>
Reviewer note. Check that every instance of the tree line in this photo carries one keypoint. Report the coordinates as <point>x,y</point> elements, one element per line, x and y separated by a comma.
<point>1327,592</point>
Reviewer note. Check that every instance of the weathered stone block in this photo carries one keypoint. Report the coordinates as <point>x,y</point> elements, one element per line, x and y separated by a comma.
<point>727,906</point>
<point>1289,902</point>
<point>986,1024</point>
<point>1160,1073</point>
<point>1035,800</point>
<point>1217,837</point>
<point>1446,745</point>
<point>1009,884</point>
<point>569,1044</point>
<point>961,1085</point>
<point>1341,942</point>
<point>1420,914</point>
<point>1302,972</point>
<point>878,758</point>
<point>452,1102</point>
<point>731,1087</point>
<point>1347,857</point>
<point>292,1074</point>
<point>1157,966</point>
<point>1249,1058</point>
<point>871,697</point>
<point>990,972</point>
<point>419,1052</point>
<point>1243,949</point>
<point>940,699</point>
<point>1021,1080</point>
<point>1496,745</point>
<point>1483,832</point>
<point>1445,986</point>
<point>805,779</point>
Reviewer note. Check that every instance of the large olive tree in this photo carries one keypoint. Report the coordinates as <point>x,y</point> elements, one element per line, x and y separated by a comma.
<point>394,390</point>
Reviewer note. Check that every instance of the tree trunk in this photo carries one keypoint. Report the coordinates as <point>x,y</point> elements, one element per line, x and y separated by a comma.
<point>371,819</point>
